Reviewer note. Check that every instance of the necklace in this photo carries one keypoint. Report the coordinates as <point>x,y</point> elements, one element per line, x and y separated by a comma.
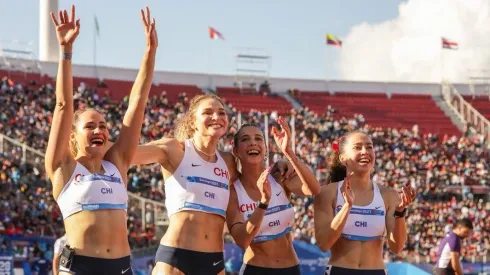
<point>198,149</point>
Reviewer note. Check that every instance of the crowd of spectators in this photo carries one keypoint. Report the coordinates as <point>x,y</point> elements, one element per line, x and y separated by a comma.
<point>450,174</point>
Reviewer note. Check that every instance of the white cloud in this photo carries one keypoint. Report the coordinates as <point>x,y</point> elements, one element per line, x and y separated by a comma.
<point>408,48</point>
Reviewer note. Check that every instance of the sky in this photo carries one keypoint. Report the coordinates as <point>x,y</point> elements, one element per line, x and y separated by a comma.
<point>383,40</point>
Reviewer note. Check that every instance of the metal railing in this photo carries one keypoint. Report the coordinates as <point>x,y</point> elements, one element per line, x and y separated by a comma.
<point>20,151</point>
<point>464,110</point>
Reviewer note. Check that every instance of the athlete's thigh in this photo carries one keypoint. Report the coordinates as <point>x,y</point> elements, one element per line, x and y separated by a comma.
<point>222,272</point>
<point>165,269</point>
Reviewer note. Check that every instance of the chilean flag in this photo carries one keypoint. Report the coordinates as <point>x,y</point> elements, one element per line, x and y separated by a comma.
<point>215,34</point>
<point>448,44</point>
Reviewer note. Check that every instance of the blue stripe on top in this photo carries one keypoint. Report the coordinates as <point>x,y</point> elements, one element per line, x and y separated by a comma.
<point>208,182</point>
<point>94,177</point>
<point>196,206</point>
<point>368,212</point>
<point>265,238</point>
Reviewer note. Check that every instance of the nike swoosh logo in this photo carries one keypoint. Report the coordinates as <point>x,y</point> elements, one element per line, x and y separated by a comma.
<point>195,165</point>
<point>113,174</point>
<point>377,207</point>
<point>278,193</point>
<point>124,271</point>
<point>215,264</point>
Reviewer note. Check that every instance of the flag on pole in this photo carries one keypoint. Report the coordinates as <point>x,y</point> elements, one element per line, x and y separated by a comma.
<point>97,29</point>
<point>448,44</point>
<point>215,34</point>
<point>334,41</point>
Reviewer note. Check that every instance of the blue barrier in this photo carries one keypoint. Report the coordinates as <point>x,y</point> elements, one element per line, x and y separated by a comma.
<point>6,263</point>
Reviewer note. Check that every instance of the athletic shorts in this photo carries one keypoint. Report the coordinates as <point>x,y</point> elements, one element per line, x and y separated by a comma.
<point>257,270</point>
<point>83,265</point>
<point>442,271</point>
<point>335,270</point>
<point>191,262</point>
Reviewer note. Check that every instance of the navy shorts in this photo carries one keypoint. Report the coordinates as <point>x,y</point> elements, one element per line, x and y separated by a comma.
<point>83,265</point>
<point>335,270</point>
<point>191,262</point>
<point>257,270</point>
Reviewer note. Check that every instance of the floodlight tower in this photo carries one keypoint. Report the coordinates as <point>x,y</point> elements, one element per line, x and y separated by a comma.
<point>48,43</point>
<point>252,67</point>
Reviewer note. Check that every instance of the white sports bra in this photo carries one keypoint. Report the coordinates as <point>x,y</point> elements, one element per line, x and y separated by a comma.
<point>364,223</point>
<point>86,191</point>
<point>278,217</point>
<point>198,185</point>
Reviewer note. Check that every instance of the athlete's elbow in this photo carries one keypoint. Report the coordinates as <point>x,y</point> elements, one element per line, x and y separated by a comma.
<point>396,248</point>
<point>244,244</point>
<point>323,244</point>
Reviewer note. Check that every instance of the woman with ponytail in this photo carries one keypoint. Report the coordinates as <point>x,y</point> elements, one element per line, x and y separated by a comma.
<point>353,214</point>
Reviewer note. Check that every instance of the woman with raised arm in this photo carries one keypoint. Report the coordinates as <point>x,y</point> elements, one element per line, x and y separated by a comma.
<point>197,187</point>
<point>352,214</point>
<point>89,181</point>
<point>260,214</point>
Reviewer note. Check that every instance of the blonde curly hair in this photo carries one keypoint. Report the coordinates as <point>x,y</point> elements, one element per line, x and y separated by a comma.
<point>185,127</point>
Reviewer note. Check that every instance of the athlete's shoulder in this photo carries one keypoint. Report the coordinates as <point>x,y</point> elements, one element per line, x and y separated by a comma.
<point>328,190</point>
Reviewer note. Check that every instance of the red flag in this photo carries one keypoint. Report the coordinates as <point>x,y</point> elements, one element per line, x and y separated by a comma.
<point>448,44</point>
<point>215,34</point>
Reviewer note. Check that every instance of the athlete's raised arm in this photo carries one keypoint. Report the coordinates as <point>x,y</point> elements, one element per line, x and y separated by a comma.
<point>125,146</point>
<point>57,151</point>
<point>328,226</point>
<point>243,231</point>
<point>305,183</point>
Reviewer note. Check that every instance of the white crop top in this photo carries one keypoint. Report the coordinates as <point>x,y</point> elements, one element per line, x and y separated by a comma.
<point>198,185</point>
<point>278,217</point>
<point>86,191</point>
<point>364,223</point>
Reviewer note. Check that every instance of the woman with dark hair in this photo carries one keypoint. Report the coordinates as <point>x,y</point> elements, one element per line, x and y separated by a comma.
<point>89,180</point>
<point>260,213</point>
<point>352,214</point>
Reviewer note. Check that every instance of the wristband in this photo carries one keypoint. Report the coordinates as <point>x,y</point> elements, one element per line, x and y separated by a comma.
<point>400,214</point>
<point>66,56</point>
<point>263,206</point>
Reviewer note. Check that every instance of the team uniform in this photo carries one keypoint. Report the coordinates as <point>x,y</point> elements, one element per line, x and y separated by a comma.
<point>276,223</point>
<point>89,192</point>
<point>196,185</point>
<point>450,243</point>
<point>364,223</point>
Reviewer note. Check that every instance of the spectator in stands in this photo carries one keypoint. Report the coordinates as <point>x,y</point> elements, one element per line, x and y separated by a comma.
<point>42,266</point>
<point>449,249</point>
<point>351,215</point>
<point>90,177</point>
<point>266,239</point>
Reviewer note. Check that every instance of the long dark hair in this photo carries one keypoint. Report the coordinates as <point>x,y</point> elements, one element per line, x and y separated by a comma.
<point>336,169</point>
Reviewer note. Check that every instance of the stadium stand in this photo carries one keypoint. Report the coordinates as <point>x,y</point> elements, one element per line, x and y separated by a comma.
<point>449,170</point>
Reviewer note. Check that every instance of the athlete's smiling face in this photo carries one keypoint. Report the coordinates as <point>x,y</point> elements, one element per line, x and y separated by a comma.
<point>211,118</point>
<point>250,145</point>
<point>358,153</point>
<point>90,133</point>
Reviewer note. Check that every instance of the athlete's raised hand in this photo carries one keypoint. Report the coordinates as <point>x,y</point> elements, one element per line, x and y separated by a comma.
<point>264,187</point>
<point>283,137</point>
<point>67,28</point>
<point>347,192</point>
<point>406,197</point>
<point>150,29</point>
